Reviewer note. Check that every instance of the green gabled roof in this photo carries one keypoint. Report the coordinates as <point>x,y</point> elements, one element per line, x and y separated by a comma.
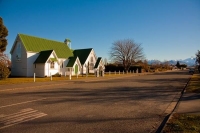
<point>53,59</point>
<point>71,62</point>
<point>97,63</point>
<point>82,54</point>
<point>43,57</point>
<point>36,44</point>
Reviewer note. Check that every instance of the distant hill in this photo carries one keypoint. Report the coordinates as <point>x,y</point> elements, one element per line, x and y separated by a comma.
<point>188,61</point>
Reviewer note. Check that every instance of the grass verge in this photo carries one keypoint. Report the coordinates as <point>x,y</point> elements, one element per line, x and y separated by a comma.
<point>16,80</point>
<point>186,123</point>
<point>194,84</point>
<point>183,123</point>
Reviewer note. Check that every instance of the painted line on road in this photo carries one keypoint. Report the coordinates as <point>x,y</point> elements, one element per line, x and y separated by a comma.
<point>20,117</point>
<point>22,103</point>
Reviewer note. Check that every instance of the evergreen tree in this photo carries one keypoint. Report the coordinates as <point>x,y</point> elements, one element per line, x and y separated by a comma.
<point>178,64</point>
<point>4,71</point>
<point>3,34</point>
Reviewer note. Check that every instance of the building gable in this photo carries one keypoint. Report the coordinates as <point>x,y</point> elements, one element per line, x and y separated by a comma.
<point>98,62</point>
<point>36,44</point>
<point>82,54</point>
<point>45,55</point>
<point>72,61</point>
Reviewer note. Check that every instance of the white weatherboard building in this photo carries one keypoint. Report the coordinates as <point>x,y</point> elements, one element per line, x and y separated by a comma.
<point>45,57</point>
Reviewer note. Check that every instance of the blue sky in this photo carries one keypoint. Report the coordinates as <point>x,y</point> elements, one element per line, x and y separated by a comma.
<point>166,29</point>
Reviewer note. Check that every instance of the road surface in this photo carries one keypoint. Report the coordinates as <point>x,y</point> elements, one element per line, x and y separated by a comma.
<point>132,104</point>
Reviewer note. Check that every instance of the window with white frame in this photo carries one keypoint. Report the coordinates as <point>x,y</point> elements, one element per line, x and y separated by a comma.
<point>61,66</point>
<point>52,64</point>
<point>91,67</point>
<point>91,59</point>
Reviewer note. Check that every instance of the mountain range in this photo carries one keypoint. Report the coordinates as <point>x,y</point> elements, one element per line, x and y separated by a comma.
<point>188,61</point>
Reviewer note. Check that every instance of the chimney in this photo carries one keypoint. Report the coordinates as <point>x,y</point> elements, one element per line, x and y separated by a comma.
<point>68,42</point>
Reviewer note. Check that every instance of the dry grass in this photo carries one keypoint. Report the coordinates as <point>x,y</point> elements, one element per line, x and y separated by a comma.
<point>17,80</point>
<point>194,84</point>
<point>183,123</point>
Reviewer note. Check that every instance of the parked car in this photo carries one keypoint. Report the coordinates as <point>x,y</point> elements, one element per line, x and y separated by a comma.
<point>191,70</point>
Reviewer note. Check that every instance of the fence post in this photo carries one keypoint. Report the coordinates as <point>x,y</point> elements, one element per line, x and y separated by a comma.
<point>115,72</point>
<point>109,73</point>
<point>119,72</point>
<point>70,76</point>
<point>77,75</point>
<point>97,73</point>
<point>34,77</point>
<point>123,72</point>
<point>51,76</point>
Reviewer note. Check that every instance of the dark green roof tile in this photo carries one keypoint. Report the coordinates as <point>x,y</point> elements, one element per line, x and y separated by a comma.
<point>97,63</point>
<point>82,54</point>
<point>71,62</point>
<point>43,56</point>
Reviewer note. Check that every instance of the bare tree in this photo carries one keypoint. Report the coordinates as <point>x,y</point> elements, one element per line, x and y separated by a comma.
<point>166,65</point>
<point>126,52</point>
<point>105,61</point>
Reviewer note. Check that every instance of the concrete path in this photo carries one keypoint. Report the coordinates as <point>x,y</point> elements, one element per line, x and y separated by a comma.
<point>189,103</point>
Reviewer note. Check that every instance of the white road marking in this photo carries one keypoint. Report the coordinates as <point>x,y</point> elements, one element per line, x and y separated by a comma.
<point>20,117</point>
<point>22,103</point>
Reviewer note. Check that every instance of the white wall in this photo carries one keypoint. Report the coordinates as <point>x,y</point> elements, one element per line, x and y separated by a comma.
<point>19,67</point>
<point>51,71</point>
<point>92,54</point>
<point>63,70</point>
<point>72,71</point>
<point>31,57</point>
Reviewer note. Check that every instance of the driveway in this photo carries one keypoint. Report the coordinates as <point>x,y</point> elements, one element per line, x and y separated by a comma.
<point>133,104</point>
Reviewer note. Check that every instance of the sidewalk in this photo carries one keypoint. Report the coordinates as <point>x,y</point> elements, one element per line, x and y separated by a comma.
<point>190,101</point>
<point>189,104</point>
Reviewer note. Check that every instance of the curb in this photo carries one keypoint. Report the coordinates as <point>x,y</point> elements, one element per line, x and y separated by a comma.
<point>170,115</point>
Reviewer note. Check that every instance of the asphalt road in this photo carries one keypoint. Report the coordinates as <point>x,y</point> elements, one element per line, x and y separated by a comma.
<point>133,104</point>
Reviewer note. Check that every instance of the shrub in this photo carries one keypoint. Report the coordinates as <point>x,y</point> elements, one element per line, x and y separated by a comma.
<point>56,75</point>
<point>4,71</point>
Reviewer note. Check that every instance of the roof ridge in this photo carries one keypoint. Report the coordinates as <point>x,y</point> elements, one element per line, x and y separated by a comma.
<point>47,50</point>
<point>37,44</point>
<point>39,37</point>
<point>84,49</point>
